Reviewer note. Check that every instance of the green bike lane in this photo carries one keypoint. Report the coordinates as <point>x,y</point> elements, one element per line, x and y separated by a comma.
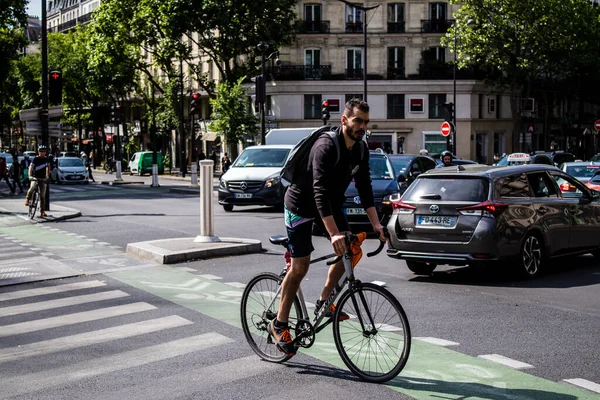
<point>432,372</point>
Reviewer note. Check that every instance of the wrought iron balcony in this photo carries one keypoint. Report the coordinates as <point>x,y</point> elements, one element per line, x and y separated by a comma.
<point>313,26</point>
<point>354,73</point>
<point>396,27</point>
<point>396,73</point>
<point>435,25</point>
<point>67,25</point>
<point>82,19</point>
<point>354,27</point>
<point>300,72</point>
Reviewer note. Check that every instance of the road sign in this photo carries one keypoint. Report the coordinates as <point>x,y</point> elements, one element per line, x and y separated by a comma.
<point>446,128</point>
<point>597,125</point>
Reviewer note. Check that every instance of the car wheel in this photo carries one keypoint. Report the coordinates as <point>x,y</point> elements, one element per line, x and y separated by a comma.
<point>421,268</point>
<point>228,207</point>
<point>531,256</point>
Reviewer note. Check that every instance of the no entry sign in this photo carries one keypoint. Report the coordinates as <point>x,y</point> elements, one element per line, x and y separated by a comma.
<point>597,125</point>
<point>446,128</point>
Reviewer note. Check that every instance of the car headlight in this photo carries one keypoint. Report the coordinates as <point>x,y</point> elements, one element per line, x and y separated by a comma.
<point>389,198</point>
<point>272,181</point>
<point>222,183</point>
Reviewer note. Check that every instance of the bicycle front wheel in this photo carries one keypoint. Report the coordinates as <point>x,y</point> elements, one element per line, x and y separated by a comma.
<point>33,203</point>
<point>260,303</point>
<point>375,342</point>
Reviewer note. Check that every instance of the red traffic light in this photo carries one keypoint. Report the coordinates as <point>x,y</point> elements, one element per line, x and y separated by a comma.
<point>54,75</point>
<point>325,103</point>
<point>195,96</point>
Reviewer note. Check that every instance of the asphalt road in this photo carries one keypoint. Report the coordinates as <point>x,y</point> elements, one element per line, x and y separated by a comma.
<point>467,321</point>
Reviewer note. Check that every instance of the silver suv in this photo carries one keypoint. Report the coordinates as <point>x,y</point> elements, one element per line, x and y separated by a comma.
<point>476,214</point>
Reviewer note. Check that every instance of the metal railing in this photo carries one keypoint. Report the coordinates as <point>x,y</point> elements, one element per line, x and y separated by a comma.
<point>354,27</point>
<point>300,72</point>
<point>435,25</point>
<point>313,26</point>
<point>396,73</point>
<point>354,73</point>
<point>396,27</point>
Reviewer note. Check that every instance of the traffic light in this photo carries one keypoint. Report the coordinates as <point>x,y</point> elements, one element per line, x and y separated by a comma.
<point>117,115</point>
<point>449,112</point>
<point>194,103</point>
<point>55,88</point>
<point>260,89</point>
<point>325,112</point>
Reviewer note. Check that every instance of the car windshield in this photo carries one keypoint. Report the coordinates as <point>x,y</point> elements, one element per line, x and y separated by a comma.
<point>399,165</point>
<point>448,189</point>
<point>380,168</point>
<point>70,162</point>
<point>582,171</point>
<point>503,161</point>
<point>261,158</point>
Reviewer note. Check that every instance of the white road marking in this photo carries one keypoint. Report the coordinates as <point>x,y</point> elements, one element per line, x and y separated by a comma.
<point>378,283</point>
<point>104,243</point>
<point>209,276</point>
<point>436,341</point>
<point>75,318</point>
<point>589,385</point>
<point>28,383</point>
<point>21,294</point>
<point>58,303</point>
<point>236,284</point>
<point>92,240</point>
<point>47,254</point>
<point>89,338</point>
<point>81,237</point>
<point>509,362</point>
<point>186,269</point>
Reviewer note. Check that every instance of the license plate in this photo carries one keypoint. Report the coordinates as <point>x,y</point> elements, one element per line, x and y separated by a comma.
<point>356,211</point>
<point>243,195</point>
<point>434,220</point>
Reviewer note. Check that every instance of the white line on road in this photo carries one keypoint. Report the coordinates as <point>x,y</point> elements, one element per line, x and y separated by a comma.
<point>47,254</point>
<point>186,269</point>
<point>21,261</point>
<point>589,385</point>
<point>436,341</point>
<point>21,294</point>
<point>509,362</point>
<point>92,240</point>
<point>75,318</point>
<point>58,303</point>
<point>236,284</point>
<point>28,383</point>
<point>90,338</point>
<point>209,276</point>
<point>104,243</point>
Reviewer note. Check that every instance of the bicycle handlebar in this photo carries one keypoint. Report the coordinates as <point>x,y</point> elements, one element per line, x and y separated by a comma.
<point>350,238</point>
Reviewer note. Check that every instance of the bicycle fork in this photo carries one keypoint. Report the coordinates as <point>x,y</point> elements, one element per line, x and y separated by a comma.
<point>354,288</point>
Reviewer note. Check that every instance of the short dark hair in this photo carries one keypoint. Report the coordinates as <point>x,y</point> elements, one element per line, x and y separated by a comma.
<point>355,102</point>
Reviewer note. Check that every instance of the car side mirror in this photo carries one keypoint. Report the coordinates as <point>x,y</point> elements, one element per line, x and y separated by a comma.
<point>416,174</point>
<point>401,178</point>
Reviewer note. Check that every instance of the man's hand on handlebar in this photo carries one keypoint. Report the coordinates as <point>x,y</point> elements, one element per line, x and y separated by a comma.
<point>338,243</point>
<point>380,231</point>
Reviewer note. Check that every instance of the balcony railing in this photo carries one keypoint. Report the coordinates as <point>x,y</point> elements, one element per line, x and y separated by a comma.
<point>67,25</point>
<point>84,18</point>
<point>354,27</point>
<point>396,73</point>
<point>300,72</point>
<point>441,70</point>
<point>313,26</point>
<point>396,27</point>
<point>354,73</point>
<point>435,25</point>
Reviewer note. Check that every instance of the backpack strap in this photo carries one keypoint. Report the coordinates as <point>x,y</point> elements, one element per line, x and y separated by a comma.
<point>336,141</point>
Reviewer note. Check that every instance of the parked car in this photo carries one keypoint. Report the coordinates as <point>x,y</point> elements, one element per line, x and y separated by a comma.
<point>558,156</point>
<point>254,178</point>
<point>478,215</point>
<point>69,170</point>
<point>582,170</point>
<point>68,154</point>
<point>541,159</point>
<point>141,163</point>
<point>385,185</point>
<point>410,166</point>
<point>594,182</point>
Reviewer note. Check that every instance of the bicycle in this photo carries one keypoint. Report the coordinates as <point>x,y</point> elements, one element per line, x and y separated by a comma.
<point>378,324</point>
<point>34,201</point>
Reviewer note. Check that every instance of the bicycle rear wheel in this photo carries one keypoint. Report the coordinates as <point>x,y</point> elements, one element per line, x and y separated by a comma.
<point>33,203</point>
<point>259,307</point>
<point>379,351</point>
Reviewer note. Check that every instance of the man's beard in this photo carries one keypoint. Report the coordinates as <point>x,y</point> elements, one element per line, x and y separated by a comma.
<point>351,134</point>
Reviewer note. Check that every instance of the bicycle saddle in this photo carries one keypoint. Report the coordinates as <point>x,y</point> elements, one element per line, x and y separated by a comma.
<point>279,239</point>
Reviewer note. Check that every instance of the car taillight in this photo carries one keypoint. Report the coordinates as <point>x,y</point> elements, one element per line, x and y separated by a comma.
<point>565,187</point>
<point>487,208</point>
<point>403,207</point>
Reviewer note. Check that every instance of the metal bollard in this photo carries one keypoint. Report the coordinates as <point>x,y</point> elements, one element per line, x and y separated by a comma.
<point>154,176</point>
<point>207,225</point>
<point>118,177</point>
<point>194,175</point>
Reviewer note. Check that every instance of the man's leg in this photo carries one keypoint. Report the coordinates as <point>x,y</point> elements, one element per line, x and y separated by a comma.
<point>30,192</point>
<point>333,276</point>
<point>42,197</point>
<point>290,286</point>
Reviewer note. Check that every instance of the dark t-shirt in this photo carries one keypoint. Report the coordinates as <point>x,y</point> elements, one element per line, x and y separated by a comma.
<point>320,191</point>
<point>39,167</point>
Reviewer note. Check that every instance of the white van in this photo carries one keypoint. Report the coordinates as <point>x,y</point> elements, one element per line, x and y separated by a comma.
<point>287,135</point>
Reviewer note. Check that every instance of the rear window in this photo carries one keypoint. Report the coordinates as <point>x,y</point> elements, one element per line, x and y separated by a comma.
<point>448,189</point>
<point>563,157</point>
<point>582,171</point>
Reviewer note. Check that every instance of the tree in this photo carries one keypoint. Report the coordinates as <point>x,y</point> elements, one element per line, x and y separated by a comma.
<point>519,41</point>
<point>231,119</point>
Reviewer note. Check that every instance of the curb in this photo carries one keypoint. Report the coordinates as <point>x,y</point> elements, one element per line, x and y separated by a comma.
<point>118,183</point>
<point>153,250</point>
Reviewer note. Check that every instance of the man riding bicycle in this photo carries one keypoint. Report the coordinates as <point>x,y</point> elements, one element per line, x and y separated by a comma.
<point>39,170</point>
<point>317,196</point>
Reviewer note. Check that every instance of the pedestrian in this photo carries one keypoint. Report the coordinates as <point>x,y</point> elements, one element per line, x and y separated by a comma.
<point>88,165</point>
<point>317,196</point>
<point>25,169</point>
<point>16,174</point>
<point>201,155</point>
<point>4,174</point>
<point>225,163</point>
<point>213,157</point>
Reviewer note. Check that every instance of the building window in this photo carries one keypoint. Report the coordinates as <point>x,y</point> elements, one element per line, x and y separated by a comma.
<point>434,142</point>
<point>438,54</point>
<point>395,62</point>
<point>312,106</point>
<point>354,19</point>
<point>312,17</point>
<point>349,97</point>
<point>436,106</point>
<point>354,63</point>
<point>437,11</point>
<point>396,22</point>
<point>312,57</point>
<point>498,145</point>
<point>395,106</point>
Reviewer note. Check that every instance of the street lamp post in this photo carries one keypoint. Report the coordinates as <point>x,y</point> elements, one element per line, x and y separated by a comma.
<point>261,86</point>
<point>453,149</point>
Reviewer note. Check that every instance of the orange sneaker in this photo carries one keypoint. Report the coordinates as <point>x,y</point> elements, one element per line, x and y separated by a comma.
<point>283,339</point>
<point>26,202</point>
<point>342,317</point>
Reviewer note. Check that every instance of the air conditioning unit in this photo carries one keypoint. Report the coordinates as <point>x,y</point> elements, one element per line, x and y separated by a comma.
<point>528,104</point>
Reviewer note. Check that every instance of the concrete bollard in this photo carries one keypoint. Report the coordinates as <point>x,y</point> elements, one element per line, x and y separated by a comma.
<point>194,172</point>
<point>118,177</point>
<point>207,225</point>
<point>154,176</point>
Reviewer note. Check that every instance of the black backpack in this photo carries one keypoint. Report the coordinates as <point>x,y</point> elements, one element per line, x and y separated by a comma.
<point>299,154</point>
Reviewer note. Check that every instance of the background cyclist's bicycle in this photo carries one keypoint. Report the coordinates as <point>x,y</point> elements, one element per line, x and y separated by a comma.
<point>374,342</point>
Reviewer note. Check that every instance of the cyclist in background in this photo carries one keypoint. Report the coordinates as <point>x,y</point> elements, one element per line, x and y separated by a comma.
<point>40,170</point>
<point>446,160</point>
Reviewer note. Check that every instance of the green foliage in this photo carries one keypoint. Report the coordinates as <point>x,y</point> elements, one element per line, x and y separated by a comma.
<point>230,116</point>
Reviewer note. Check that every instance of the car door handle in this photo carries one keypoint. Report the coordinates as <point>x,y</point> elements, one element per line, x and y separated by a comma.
<point>542,210</point>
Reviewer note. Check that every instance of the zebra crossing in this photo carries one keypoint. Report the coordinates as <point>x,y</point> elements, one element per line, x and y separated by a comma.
<point>83,188</point>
